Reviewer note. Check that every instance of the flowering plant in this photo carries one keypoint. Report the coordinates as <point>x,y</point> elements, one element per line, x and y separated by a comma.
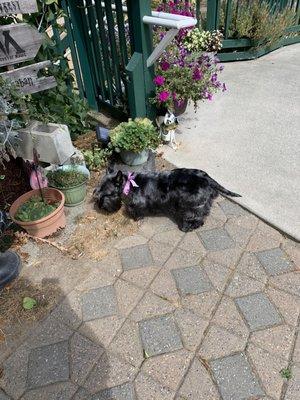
<point>198,40</point>
<point>185,76</point>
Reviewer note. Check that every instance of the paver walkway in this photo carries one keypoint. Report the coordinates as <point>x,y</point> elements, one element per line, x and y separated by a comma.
<point>207,315</point>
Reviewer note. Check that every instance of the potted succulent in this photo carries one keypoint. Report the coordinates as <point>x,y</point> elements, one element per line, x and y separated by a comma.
<point>134,139</point>
<point>71,181</point>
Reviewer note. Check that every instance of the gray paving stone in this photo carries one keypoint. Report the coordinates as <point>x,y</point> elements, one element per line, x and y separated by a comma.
<point>191,280</point>
<point>258,311</point>
<point>136,257</point>
<point>122,392</point>
<point>48,364</point>
<point>3,396</point>
<point>99,303</point>
<point>159,335</point>
<point>216,239</point>
<point>235,378</point>
<point>274,261</point>
<point>231,209</point>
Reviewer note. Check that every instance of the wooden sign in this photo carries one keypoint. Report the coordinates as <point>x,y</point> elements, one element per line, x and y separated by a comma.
<point>26,78</point>
<point>9,7</point>
<point>18,42</point>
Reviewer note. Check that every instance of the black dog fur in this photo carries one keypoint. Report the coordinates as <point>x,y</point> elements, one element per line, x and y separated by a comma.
<point>185,195</point>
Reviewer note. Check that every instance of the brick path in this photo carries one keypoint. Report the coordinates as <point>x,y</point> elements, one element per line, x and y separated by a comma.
<point>208,315</point>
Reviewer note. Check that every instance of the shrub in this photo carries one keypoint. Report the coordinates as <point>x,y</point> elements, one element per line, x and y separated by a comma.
<point>135,135</point>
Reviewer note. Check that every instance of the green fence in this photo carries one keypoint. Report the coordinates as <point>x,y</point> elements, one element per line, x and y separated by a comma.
<point>219,15</point>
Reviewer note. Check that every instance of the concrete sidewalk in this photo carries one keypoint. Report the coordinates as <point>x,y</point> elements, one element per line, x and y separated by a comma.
<point>248,139</point>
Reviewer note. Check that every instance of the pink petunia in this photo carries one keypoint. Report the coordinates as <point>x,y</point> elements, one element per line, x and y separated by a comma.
<point>159,80</point>
<point>163,96</point>
<point>165,65</point>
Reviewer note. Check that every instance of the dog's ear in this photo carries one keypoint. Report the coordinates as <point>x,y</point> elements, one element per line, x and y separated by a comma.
<point>119,178</point>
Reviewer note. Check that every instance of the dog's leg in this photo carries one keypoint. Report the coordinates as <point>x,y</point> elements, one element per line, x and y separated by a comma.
<point>134,212</point>
<point>190,220</point>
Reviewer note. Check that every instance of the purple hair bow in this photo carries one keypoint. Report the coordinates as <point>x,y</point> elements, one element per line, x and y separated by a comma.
<point>130,182</point>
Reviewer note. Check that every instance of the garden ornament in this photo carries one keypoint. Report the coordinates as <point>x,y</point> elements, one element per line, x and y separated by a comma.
<point>167,125</point>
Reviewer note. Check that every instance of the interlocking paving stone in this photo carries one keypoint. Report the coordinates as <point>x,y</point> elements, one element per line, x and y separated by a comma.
<point>274,261</point>
<point>159,335</point>
<point>229,208</point>
<point>258,311</point>
<point>136,257</point>
<point>48,364</point>
<point>3,396</point>
<point>191,280</point>
<point>235,378</point>
<point>148,389</point>
<point>216,239</point>
<point>122,392</point>
<point>99,303</point>
<point>58,391</point>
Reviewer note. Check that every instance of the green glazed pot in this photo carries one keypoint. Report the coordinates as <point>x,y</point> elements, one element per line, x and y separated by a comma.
<point>75,195</point>
<point>131,158</point>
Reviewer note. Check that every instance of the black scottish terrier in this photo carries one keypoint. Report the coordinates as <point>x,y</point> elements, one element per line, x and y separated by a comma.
<point>185,195</point>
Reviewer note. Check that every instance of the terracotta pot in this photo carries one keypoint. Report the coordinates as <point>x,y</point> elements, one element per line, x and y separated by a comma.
<point>45,226</point>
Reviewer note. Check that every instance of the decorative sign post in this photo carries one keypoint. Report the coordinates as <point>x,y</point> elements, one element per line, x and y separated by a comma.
<point>18,42</point>
<point>26,78</point>
<point>8,7</point>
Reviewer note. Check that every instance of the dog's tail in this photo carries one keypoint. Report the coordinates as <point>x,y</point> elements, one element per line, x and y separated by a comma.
<point>221,189</point>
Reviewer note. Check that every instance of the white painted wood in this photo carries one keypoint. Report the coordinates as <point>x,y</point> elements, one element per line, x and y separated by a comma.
<point>160,48</point>
<point>26,78</point>
<point>10,7</point>
<point>18,43</point>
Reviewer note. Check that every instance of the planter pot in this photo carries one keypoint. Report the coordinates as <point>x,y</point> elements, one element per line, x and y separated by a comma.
<point>131,158</point>
<point>180,108</point>
<point>45,226</point>
<point>75,195</point>
<point>10,266</point>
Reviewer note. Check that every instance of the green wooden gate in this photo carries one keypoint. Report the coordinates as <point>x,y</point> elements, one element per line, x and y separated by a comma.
<point>110,45</point>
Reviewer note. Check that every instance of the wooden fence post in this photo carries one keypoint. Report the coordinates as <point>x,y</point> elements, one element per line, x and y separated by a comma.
<point>141,86</point>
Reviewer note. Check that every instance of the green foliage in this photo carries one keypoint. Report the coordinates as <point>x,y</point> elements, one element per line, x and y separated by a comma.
<point>34,209</point>
<point>66,178</point>
<point>259,21</point>
<point>61,104</point>
<point>29,303</point>
<point>135,135</point>
<point>96,158</point>
<point>198,40</point>
<point>286,373</point>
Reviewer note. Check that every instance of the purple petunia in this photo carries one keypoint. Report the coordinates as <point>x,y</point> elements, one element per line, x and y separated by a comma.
<point>214,78</point>
<point>165,65</point>
<point>197,74</point>
<point>159,80</point>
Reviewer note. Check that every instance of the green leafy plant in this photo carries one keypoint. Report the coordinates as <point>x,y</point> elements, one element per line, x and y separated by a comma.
<point>286,373</point>
<point>34,209</point>
<point>96,158</point>
<point>29,303</point>
<point>66,178</point>
<point>197,40</point>
<point>135,135</point>
<point>258,21</point>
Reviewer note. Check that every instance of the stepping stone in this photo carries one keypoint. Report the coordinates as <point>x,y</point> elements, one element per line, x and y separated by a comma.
<point>3,396</point>
<point>235,378</point>
<point>258,311</point>
<point>231,209</point>
<point>122,392</point>
<point>136,257</point>
<point>274,261</point>
<point>99,303</point>
<point>216,239</point>
<point>191,280</point>
<point>159,335</point>
<point>48,364</point>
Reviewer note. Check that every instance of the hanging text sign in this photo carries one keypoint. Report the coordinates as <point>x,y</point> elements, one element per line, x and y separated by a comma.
<point>18,42</point>
<point>9,7</point>
<point>26,78</point>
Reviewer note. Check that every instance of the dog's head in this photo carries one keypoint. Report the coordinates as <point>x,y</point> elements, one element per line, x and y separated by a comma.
<point>108,194</point>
